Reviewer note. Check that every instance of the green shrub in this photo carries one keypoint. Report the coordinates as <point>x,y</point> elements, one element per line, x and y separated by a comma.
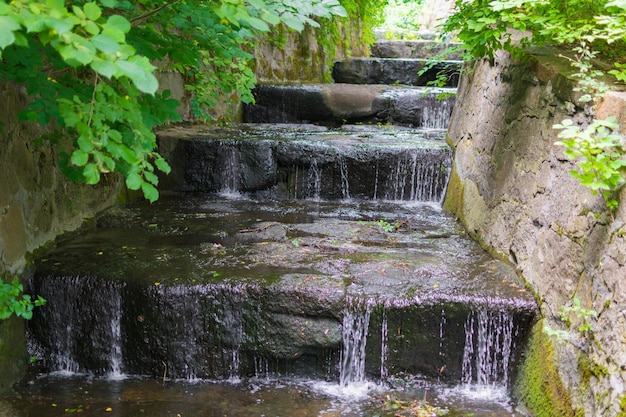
<point>12,301</point>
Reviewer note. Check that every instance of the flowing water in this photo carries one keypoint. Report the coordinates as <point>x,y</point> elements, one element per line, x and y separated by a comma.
<point>56,395</point>
<point>287,270</point>
<point>180,308</point>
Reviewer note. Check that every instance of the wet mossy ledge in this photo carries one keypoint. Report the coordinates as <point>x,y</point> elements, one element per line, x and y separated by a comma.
<point>539,385</point>
<point>510,187</point>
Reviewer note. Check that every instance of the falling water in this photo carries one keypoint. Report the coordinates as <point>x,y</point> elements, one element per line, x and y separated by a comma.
<point>442,353</point>
<point>314,183</point>
<point>375,196</point>
<point>437,116</point>
<point>415,176</point>
<point>398,179</point>
<point>230,173</point>
<point>355,325</point>
<point>261,367</point>
<point>100,341</point>
<point>488,347</point>
<point>116,337</point>
<point>345,184</point>
<point>384,329</point>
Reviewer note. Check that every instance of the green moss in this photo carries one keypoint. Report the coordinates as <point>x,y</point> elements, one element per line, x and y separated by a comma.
<point>590,369</point>
<point>622,406</point>
<point>539,386</point>
<point>454,193</point>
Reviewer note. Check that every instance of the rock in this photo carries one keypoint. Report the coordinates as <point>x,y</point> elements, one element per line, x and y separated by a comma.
<point>402,71</point>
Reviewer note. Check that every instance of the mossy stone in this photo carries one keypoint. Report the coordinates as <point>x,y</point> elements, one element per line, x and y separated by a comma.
<point>539,386</point>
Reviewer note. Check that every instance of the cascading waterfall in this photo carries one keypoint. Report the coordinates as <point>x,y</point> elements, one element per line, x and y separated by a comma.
<point>101,344</point>
<point>488,347</point>
<point>345,183</point>
<point>314,183</point>
<point>201,287</point>
<point>230,172</point>
<point>355,326</point>
<point>384,334</point>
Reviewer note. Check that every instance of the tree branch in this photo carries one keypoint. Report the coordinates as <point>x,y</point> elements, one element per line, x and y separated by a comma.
<point>152,12</point>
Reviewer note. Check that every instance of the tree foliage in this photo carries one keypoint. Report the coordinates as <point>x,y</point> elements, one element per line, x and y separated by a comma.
<point>90,70</point>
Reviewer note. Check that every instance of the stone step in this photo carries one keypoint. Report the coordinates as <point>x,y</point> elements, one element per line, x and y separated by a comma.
<point>282,162</point>
<point>395,71</point>
<point>415,49</point>
<point>203,286</point>
<point>337,104</point>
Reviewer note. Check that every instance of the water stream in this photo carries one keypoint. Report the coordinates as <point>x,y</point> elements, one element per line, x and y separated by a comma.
<point>287,270</point>
<point>254,303</point>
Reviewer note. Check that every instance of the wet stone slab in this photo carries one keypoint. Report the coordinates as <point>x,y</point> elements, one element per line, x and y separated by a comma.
<point>198,278</point>
<point>276,161</point>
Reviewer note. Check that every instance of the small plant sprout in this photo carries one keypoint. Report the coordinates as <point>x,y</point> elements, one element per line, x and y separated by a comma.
<point>584,315</point>
<point>572,315</point>
<point>386,226</point>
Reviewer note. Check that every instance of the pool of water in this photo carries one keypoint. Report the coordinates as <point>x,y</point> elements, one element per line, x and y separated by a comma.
<point>58,394</point>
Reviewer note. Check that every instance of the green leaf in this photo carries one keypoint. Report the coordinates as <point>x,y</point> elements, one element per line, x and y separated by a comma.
<point>119,23</point>
<point>91,174</point>
<point>151,177</point>
<point>105,68</point>
<point>258,24</point>
<point>105,43</point>
<point>79,157</point>
<point>162,165</point>
<point>6,38</point>
<point>134,181</point>
<point>149,192</point>
<point>84,144</point>
<point>92,11</point>
<point>293,23</point>
<point>143,79</point>
<point>78,12</point>
<point>270,18</point>
<point>91,28</point>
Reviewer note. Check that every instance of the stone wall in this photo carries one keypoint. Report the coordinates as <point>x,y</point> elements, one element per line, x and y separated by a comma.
<point>282,57</point>
<point>285,56</point>
<point>37,203</point>
<point>511,188</point>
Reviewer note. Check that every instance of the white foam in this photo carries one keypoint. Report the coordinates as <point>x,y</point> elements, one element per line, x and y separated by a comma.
<point>477,393</point>
<point>348,393</point>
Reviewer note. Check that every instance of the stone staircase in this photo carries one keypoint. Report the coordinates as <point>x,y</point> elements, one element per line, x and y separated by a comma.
<point>275,237</point>
<point>386,88</point>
